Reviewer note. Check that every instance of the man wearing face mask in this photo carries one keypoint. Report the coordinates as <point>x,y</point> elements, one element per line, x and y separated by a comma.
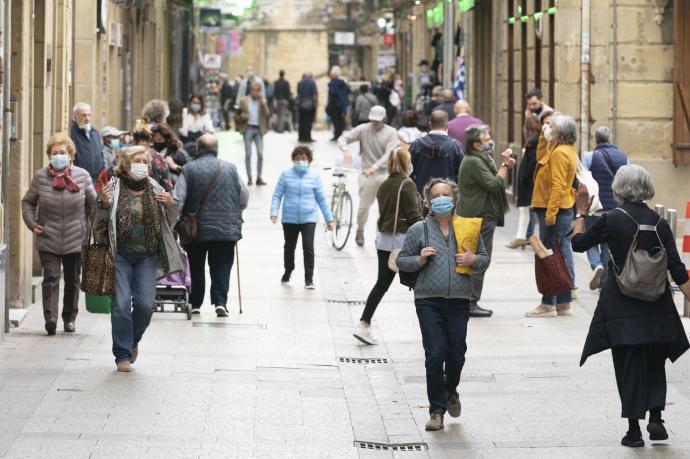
<point>376,141</point>
<point>219,220</point>
<point>87,141</point>
<point>535,106</point>
<point>111,145</point>
<point>482,186</point>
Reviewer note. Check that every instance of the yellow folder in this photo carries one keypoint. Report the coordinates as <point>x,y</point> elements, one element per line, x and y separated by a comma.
<point>467,233</point>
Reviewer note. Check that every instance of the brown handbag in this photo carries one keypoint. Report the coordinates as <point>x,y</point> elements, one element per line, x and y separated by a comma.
<point>97,268</point>
<point>187,228</point>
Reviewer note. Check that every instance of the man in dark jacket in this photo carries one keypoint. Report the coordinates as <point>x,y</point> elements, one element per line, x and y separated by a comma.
<point>436,155</point>
<point>307,101</point>
<point>87,140</point>
<point>603,163</point>
<point>219,220</point>
<point>338,92</point>
<point>282,95</point>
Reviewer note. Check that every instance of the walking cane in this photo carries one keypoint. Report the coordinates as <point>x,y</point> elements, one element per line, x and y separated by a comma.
<point>239,286</point>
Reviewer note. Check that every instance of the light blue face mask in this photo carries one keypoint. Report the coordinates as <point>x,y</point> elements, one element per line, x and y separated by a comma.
<point>442,205</point>
<point>59,162</point>
<point>301,166</point>
<point>115,144</point>
<point>195,107</point>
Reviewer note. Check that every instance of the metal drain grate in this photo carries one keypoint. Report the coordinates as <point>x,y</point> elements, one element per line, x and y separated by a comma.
<point>364,360</point>
<point>391,446</point>
<point>68,389</point>
<point>349,302</point>
<point>464,378</point>
<point>226,325</point>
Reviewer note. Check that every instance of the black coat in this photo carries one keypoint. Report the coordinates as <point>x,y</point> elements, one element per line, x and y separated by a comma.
<point>526,174</point>
<point>621,320</point>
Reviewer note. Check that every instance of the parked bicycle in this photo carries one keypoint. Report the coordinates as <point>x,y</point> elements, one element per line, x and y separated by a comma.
<point>341,207</point>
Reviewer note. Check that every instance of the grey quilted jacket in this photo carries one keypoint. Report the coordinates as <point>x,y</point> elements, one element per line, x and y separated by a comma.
<point>438,277</point>
<point>62,213</point>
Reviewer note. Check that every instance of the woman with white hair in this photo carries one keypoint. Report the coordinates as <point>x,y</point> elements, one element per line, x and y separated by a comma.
<point>641,333</point>
<point>553,199</point>
<point>135,216</point>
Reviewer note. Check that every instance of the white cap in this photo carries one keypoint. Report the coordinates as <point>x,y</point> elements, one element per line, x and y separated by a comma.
<point>377,113</point>
<point>110,131</point>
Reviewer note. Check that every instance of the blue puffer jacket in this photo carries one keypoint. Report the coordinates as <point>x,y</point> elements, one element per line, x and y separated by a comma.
<point>302,191</point>
<point>606,160</point>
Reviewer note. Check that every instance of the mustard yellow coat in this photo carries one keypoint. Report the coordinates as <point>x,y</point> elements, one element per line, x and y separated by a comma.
<point>553,178</point>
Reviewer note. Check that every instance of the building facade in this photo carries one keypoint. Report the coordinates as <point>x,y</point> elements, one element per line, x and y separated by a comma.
<point>112,54</point>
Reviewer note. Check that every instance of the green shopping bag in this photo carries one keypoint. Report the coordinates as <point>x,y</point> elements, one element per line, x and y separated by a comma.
<point>98,304</point>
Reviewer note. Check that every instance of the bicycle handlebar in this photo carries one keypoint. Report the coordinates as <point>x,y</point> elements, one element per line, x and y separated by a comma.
<point>344,169</point>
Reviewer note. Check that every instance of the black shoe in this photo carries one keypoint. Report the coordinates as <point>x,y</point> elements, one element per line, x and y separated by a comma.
<point>260,182</point>
<point>249,182</point>
<point>50,328</point>
<point>657,431</point>
<point>285,279</point>
<point>633,439</point>
<point>453,402</point>
<point>221,311</point>
<point>478,311</point>
<point>69,327</point>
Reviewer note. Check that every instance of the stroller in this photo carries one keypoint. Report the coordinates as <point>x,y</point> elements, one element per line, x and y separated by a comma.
<point>174,290</point>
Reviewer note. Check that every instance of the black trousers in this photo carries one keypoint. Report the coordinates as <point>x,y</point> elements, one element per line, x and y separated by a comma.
<point>383,282</point>
<point>221,256</point>
<point>641,378</point>
<point>338,120</point>
<point>71,269</point>
<point>306,120</point>
<point>291,232</point>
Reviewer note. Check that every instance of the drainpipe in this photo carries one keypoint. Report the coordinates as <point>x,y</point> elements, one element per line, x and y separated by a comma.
<point>448,44</point>
<point>584,85</point>
<point>6,122</point>
<point>614,67</point>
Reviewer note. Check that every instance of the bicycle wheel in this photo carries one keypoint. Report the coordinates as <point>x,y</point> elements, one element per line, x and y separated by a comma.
<point>343,221</point>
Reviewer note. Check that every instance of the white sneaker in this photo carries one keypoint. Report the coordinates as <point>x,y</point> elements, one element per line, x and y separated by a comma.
<point>596,278</point>
<point>543,310</point>
<point>363,334</point>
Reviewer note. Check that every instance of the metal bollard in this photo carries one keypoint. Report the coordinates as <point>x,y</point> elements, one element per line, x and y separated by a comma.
<point>659,209</point>
<point>672,218</point>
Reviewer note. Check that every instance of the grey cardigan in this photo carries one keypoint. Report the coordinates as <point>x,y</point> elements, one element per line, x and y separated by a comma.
<point>62,213</point>
<point>438,277</point>
<point>105,229</point>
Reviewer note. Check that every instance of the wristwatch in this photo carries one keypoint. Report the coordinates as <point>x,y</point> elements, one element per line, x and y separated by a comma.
<point>579,215</point>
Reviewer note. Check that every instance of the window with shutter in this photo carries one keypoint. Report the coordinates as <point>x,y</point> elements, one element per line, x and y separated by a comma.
<point>681,83</point>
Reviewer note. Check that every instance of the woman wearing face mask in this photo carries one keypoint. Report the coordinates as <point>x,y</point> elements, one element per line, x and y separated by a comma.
<point>553,199</point>
<point>195,121</point>
<point>301,191</point>
<point>397,195</point>
<point>55,208</point>
<point>441,296</point>
<point>136,214</point>
<point>166,144</point>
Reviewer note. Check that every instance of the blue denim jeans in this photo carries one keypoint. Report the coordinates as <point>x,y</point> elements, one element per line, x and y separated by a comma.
<point>532,223</point>
<point>546,233</point>
<point>132,304</point>
<point>443,322</point>
<point>599,254</point>
<point>253,135</point>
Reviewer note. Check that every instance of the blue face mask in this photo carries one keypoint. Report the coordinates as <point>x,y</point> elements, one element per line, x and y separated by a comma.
<point>488,147</point>
<point>196,107</point>
<point>59,162</point>
<point>301,166</point>
<point>115,144</point>
<point>442,206</point>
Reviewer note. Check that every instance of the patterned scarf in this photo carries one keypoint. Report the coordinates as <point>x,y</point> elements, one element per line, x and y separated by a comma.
<point>63,179</point>
<point>150,214</point>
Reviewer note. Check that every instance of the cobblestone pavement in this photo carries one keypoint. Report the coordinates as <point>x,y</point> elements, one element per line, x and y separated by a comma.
<point>283,379</point>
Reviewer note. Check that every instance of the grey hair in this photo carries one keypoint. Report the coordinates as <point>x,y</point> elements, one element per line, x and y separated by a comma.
<point>602,135</point>
<point>78,107</point>
<point>632,183</point>
<point>566,129</point>
<point>474,134</point>
<point>155,111</point>
<point>335,70</point>
<point>436,181</point>
<point>124,162</point>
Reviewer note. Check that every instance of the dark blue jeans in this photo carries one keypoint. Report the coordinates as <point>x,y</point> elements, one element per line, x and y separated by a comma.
<point>221,256</point>
<point>443,322</point>
<point>546,233</point>
<point>599,254</point>
<point>132,304</point>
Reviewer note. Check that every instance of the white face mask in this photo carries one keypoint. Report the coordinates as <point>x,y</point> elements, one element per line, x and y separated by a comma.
<point>548,135</point>
<point>86,127</point>
<point>139,171</point>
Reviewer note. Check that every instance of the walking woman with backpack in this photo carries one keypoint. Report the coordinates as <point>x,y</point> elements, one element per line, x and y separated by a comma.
<point>398,210</point>
<point>441,296</point>
<point>636,316</point>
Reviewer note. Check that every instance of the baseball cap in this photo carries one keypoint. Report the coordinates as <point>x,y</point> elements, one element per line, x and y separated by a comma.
<point>110,131</point>
<point>377,113</point>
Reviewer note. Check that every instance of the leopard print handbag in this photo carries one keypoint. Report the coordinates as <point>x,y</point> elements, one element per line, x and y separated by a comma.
<point>98,268</point>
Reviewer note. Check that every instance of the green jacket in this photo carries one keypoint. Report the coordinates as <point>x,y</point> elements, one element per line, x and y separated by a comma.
<point>482,192</point>
<point>387,196</point>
